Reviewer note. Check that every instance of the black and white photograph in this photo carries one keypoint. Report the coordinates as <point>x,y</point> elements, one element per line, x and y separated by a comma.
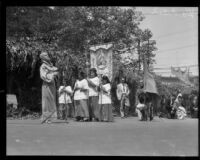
<point>102,81</point>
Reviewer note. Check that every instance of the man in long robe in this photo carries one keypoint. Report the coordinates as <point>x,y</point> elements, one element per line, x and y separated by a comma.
<point>47,74</point>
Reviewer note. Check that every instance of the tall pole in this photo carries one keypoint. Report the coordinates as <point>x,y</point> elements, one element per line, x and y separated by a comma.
<point>139,55</point>
<point>148,55</point>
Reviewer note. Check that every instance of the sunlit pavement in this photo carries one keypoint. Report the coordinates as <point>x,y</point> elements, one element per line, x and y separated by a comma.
<point>127,137</point>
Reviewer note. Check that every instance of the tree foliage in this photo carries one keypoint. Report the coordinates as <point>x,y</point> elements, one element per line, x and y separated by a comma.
<point>66,34</point>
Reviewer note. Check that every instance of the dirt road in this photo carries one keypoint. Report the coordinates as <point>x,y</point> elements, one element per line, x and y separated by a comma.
<point>127,137</point>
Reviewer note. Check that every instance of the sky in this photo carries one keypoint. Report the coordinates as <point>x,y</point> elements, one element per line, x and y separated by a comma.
<point>175,30</point>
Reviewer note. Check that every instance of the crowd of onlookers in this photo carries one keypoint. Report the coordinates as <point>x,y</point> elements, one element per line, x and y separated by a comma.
<point>174,106</point>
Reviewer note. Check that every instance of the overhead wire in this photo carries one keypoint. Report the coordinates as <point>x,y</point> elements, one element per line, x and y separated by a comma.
<point>172,49</point>
<point>191,66</point>
<point>175,12</point>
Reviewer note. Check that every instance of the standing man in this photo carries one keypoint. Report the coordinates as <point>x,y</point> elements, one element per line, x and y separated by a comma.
<point>47,74</point>
<point>122,95</point>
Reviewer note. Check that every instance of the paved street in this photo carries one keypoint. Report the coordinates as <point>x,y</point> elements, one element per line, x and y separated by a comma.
<point>127,137</point>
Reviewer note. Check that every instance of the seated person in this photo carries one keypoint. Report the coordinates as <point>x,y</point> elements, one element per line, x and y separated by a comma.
<point>141,108</point>
<point>178,107</point>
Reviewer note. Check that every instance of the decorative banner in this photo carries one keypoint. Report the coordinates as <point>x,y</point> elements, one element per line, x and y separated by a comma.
<point>101,59</point>
<point>183,76</point>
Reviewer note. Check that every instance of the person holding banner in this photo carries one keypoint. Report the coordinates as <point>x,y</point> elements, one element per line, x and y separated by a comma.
<point>105,100</point>
<point>48,73</point>
<point>93,83</point>
<point>80,98</point>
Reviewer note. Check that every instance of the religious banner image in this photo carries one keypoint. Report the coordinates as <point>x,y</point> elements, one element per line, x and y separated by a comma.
<point>101,59</point>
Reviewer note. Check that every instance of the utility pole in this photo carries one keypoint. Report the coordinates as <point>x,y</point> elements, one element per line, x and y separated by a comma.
<point>139,55</point>
<point>148,55</point>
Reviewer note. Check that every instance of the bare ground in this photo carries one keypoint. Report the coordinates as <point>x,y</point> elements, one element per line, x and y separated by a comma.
<point>126,137</point>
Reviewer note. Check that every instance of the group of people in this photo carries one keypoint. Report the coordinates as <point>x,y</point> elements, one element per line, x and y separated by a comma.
<point>90,98</point>
<point>175,108</point>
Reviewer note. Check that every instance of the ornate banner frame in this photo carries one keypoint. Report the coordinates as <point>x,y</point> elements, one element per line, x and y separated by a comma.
<point>101,59</point>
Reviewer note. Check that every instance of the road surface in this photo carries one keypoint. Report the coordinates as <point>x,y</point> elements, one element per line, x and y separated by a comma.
<point>124,137</point>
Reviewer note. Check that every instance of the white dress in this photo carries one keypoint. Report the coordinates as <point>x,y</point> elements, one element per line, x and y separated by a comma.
<point>105,98</point>
<point>78,95</point>
<point>93,91</point>
<point>65,98</point>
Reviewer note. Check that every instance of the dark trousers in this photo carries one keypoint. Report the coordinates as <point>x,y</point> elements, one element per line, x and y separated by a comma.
<point>147,113</point>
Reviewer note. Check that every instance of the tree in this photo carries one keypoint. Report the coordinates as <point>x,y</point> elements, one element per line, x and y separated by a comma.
<point>66,33</point>
<point>149,47</point>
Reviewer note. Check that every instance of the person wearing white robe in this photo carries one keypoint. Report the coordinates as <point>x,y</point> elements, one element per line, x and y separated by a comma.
<point>93,83</point>
<point>65,102</point>
<point>81,98</point>
<point>105,102</point>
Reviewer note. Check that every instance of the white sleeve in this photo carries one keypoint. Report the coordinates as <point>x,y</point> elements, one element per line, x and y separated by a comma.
<point>44,75</point>
<point>60,88</point>
<point>96,81</point>
<point>107,88</point>
<point>128,90</point>
<point>69,89</point>
<point>118,92</point>
<point>85,84</point>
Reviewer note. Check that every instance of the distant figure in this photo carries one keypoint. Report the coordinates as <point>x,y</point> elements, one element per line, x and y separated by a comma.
<point>123,96</point>
<point>163,104</point>
<point>178,107</point>
<point>170,110</point>
<point>105,103</point>
<point>65,102</point>
<point>141,108</point>
<point>194,107</point>
<point>48,73</point>
<point>93,83</point>
<point>169,104</point>
<point>80,98</point>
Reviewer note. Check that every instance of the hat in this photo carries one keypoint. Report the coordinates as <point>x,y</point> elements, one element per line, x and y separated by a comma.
<point>44,56</point>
